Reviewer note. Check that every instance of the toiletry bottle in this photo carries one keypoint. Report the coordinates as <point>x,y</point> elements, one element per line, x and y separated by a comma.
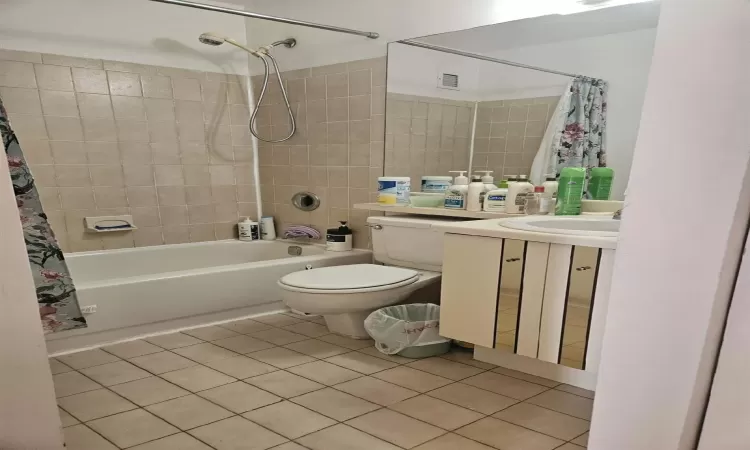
<point>512,179</point>
<point>248,230</point>
<point>455,196</point>
<point>536,203</point>
<point>339,239</point>
<point>570,191</point>
<point>488,180</point>
<point>474,195</point>
<point>267,228</point>
<point>550,194</point>
<point>600,183</point>
<point>494,200</point>
<point>515,203</point>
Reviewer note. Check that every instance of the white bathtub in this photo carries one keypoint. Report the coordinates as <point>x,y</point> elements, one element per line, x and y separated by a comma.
<point>154,289</point>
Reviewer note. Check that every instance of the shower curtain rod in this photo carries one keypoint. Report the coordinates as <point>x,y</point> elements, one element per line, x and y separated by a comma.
<point>239,12</point>
<point>484,58</point>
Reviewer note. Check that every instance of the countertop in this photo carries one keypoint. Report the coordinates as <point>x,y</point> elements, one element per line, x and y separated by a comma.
<point>492,228</point>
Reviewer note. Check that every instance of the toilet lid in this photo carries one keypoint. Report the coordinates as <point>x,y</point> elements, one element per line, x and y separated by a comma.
<point>355,276</point>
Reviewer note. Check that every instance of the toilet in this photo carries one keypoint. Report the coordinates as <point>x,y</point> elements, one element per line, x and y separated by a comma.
<point>411,250</point>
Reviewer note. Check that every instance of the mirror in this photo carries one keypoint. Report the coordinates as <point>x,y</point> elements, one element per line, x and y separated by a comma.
<point>509,295</point>
<point>448,111</point>
<point>579,300</point>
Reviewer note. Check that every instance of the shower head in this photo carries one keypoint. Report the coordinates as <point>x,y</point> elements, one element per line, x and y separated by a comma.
<point>212,39</point>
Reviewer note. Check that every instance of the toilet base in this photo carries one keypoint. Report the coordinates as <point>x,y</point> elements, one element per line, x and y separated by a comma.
<point>351,325</point>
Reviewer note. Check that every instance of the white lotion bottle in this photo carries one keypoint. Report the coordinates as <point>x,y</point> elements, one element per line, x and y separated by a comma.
<point>515,203</point>
<point>455,196</point>
<point>248,230</point>
<point>474,194</point>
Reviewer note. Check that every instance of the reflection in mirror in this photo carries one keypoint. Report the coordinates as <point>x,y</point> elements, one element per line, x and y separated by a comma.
<point>514,75</point>
<point>579,301</point>
<point>509,295</point>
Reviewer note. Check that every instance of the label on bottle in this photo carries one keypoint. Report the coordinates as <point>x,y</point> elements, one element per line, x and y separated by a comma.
<point>249,232</point>
<point>454,201</point>
<point>521,201</point>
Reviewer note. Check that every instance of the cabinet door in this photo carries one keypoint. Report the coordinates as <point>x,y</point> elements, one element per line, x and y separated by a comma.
<point>468,299</point>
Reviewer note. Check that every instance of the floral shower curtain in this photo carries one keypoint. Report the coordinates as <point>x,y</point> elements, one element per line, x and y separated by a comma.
<point>58,301</point>
<point>576,136</point>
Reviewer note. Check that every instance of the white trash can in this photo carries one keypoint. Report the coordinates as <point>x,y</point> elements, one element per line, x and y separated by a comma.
<point>412,331</point>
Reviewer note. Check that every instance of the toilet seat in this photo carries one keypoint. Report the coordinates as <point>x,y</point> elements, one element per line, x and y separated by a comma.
<point>349,279</point>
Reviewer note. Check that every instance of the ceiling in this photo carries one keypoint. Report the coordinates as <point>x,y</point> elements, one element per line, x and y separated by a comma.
<point>549,29</point>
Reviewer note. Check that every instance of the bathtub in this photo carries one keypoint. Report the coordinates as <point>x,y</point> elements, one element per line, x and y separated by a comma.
<point>149,290</point>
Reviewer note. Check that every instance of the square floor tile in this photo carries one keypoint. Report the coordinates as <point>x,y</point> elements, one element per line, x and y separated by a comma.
<point>309,329</point>
<point>277,320</point>
<point>361,363</point>
<point>284,384</point>
<point>376,391</point>
<point>115,373</point>
<point>132,349</point>
<point>466,357</point>
<point>132,428</point>
<point>289,420</point>
<point>342,437</point>
<point>452,441</point>
<point>87,358</point>
<point>95,404</point>
<point>508,386</point>
<point>437,412</point>
<point>173,340</point>
<point>446,369</point>
<point>324,372</point>
<point>561,426</point>
<point>281,357</point>
<point>352,344</point>
<point>73,383</point>
<point>58,367</point>
<point>80,437</point>
<point>472,398</point>
<point>204,353</point>
<point>504,435</point>
<point>278,336</point>
<point>526,377</point>
<point>582,440</point>
<point>412,378</point>
<point>162,362</point>
<point>197,378</point>
<point>239,397</point>
<point>241,367</point>
<point>335,404</point>
<point>180,441</point>
<point>396,428</point>
<point>211,333</point>
<point>565,403</point>
<point>66,419</point>
<point>576,391</point>
<point>243,344</point>
<point>237,433</point>
<point>149,390</point>
<point>189,412</point>
<point>246,326</point>
<point>372,351</point>
<point>316,348</point>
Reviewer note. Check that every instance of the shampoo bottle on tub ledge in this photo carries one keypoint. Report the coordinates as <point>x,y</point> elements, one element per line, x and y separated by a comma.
<point>248,230</point>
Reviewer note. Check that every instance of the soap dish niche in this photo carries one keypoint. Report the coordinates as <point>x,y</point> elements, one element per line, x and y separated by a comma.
<point>108,224</point>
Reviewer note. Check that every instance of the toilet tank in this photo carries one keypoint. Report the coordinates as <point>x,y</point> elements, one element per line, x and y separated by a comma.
<point>408,241</point>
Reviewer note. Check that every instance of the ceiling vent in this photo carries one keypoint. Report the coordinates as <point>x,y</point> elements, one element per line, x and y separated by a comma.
<point>448,81</point>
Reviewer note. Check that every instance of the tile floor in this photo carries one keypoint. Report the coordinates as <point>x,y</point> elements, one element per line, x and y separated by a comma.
<point>284,383</point>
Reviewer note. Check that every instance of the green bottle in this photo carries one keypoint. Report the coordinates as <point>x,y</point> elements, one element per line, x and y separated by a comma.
<point>570,191</point>
<point>600,183</point>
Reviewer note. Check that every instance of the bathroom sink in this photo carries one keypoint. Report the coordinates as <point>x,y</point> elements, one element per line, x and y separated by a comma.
<point>578,226</point>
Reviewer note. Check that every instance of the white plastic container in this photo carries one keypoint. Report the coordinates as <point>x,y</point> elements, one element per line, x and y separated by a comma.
<point>488,180</point>
<point>455,197</point>
<point>339,239</point>
<point>494,200</point>
<point>249,230</point>
<point>474,194</point>
<point>436,184</point>
<point>394,191</point>
<point>515,203</point>
<point>267,228</point>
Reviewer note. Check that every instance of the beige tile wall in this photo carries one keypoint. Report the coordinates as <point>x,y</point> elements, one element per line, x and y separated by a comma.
<point>337,152</point>
<point>426,136</point>
<point>509,133</point>
<point>168,146</point>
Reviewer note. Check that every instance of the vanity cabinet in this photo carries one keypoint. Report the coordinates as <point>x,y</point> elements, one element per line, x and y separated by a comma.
<point>535,299</point>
